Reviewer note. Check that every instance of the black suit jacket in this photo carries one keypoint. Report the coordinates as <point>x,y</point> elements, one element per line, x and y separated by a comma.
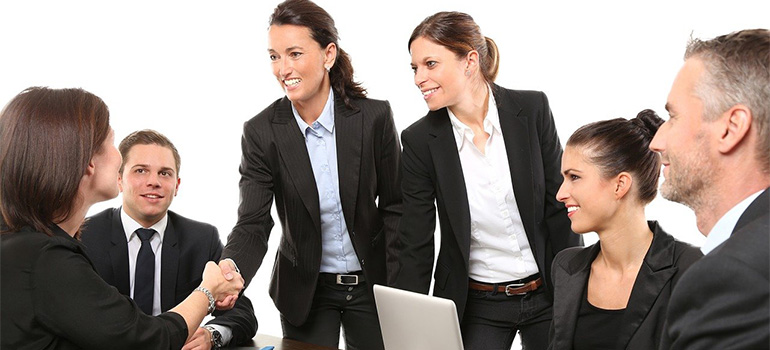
<point>187,246</point>
<point>722,301</point>
<point>52,298</point>
<point>643,319</point>
<point>433,174</point>
<point>275,164</point>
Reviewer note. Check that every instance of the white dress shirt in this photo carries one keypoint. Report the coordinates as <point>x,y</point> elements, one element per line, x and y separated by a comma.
<point>724,227</point>
<point>500,250</point>
<point>156,242</point>
<point>134,243</point>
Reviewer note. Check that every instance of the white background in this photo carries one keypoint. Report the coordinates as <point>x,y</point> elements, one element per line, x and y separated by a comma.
<point>196,71</point>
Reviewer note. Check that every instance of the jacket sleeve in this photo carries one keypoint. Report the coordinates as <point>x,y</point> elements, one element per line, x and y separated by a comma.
<point>247,243</point>
<point>389,191</point>
<point>75,303</point>
<point>418,223</point>
<point>240,319</point>
<point>554,213</point>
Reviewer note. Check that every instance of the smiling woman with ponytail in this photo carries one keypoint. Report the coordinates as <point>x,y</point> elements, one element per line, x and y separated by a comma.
<point>329,157</point>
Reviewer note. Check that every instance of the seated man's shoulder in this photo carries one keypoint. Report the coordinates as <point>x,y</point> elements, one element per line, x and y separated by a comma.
<point>192,228</point>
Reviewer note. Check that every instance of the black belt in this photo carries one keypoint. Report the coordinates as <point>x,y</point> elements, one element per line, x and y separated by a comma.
<point>348,279</point>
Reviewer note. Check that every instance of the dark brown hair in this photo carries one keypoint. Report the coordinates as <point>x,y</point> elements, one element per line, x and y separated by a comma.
<point>307,14</point>
<point>147,137</point>
<point>618,145</point>
<point>460,34</point>
<point>47,138</point>
<point>737,72</point>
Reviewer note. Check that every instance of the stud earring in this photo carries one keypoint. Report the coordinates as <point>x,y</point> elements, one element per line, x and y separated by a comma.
<point>467,73</point>
<point>328,68</point>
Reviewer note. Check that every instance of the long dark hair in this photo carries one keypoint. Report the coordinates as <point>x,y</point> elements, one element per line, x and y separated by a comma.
<point>618,145</point>
<point>460,34</point>
<point>307,14</point>
<point>47,138</point>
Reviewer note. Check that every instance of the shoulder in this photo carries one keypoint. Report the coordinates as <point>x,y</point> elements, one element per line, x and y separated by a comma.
<point>526,98</point>
<point>191,227</point>
<point>371,104</point>
<point>266,114</point>
<point>574,255</point>
<point>95,226</point>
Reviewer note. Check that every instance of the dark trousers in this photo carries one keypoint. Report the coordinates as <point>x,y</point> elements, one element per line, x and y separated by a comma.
<point>491,320</point>
<point>334,305</point>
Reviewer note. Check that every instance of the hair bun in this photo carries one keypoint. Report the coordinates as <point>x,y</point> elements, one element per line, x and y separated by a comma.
<point>648,121</point>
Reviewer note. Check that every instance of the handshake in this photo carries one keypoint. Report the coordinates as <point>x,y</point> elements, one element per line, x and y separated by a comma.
<point>224,282</point>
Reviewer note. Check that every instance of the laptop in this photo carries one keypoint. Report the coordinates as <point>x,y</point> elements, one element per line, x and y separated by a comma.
<point>416,321</point>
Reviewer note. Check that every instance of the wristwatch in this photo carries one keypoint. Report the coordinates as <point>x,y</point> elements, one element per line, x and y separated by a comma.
<point>216,337</point>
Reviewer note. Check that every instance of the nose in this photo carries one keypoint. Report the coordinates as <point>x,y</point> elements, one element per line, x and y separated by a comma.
<point>152,180</point>
<point>284,68</point>
<point>419,77</point>
<point>562,195</point>
<point>658,141</point>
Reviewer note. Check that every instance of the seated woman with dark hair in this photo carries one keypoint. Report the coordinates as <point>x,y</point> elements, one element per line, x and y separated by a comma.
<point>613,294</point>
<point>57,158</point>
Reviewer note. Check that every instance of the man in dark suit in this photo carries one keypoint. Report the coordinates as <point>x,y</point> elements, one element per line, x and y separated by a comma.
<point>154,255</point>
<point>716,161</point>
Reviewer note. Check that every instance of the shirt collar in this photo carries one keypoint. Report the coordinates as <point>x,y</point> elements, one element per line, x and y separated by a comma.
<point>724,227</point>
<point>326,119</point>
<point>491,122</point>
<point>130,225</point>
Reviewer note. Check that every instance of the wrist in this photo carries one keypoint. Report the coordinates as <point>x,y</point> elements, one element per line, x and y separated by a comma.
<point>216,337</point>
<point>212,301</point>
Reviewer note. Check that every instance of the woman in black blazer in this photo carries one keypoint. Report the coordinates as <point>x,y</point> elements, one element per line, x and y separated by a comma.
<point>329,157</point>
<point>488,158</point>
<point>57,158</point>
<point>614,294</point>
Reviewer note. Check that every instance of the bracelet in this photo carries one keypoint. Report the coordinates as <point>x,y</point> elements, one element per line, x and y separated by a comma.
<point>212,301</point>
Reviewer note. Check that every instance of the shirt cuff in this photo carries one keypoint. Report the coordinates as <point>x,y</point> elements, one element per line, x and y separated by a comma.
<point>224,331</point>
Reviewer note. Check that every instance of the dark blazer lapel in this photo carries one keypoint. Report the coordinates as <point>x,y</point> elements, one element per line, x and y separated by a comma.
<point>569,295</point>
<point>449,175</point>
<point>656,271</point>
<point>349,134</point>
<point>291,145</point>
<point>119,255</point>
<point>516,135</point>
<point>169,265</point>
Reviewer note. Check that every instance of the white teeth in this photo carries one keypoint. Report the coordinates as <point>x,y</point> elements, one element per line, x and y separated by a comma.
<point>151,196</point>
<point>571,209</point>
<point>292,82</point>
<point>428,92</point>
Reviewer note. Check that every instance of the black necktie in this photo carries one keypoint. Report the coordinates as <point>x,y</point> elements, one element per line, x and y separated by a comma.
<point>144,276</point>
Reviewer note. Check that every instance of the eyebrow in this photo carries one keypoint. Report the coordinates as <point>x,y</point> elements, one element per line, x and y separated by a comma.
<point>567,171</point>
<point>147,166</point>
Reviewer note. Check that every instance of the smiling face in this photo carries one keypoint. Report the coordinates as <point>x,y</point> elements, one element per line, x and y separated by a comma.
<point>439,74</point>
<point>589,197</point>
<point>299,64</point>
<point>683,140</point>
<point>149,183</point>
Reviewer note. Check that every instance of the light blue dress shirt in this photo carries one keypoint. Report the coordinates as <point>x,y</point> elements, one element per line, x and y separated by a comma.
<point>337,254</point>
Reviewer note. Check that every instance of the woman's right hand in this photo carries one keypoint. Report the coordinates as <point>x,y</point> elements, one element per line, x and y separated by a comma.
<point>215,281</point>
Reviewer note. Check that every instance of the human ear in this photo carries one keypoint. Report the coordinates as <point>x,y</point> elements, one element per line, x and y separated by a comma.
<point>622,183</point>
<point>734,128</point>
<point>472,61</point>
<point>330,55</point>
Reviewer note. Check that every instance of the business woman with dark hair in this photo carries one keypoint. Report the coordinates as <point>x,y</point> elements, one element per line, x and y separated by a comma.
<point>614,294</point>
<point>488,158</point>
<point>57,158</point>
<point>329,157</point>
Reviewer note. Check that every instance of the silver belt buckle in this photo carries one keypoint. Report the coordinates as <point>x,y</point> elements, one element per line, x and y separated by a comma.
<point>344,280</point>
<point>511,286</point>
